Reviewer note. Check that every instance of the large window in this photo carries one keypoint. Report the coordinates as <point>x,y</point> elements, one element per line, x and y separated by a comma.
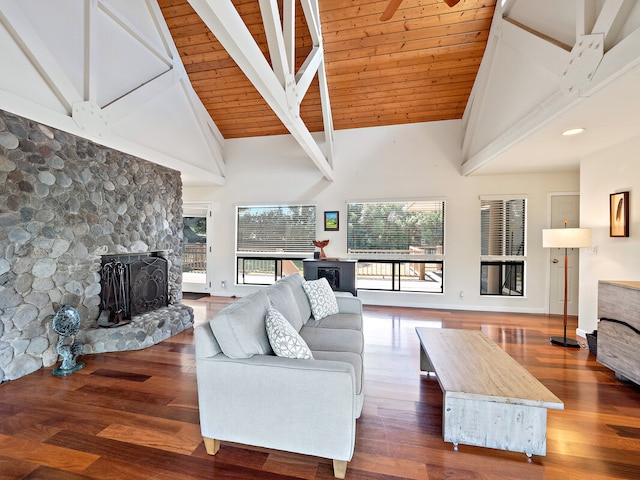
<point>399,245</point>
<point>271,241</point>
<point>502,251</point>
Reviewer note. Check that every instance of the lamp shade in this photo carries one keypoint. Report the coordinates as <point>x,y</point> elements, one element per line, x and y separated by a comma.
<point>566,237</point>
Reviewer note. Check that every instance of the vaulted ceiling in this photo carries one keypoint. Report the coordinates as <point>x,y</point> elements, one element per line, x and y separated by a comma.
<point>172,81</point>
<point>418,66</point>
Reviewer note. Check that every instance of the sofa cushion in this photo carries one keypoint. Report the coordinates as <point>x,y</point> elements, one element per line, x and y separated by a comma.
<point>239,328</point>
<point>321,297</point>
<point>295,281</point>
<point>282,299</point>
<point>352,321</point>
<point>333,339</point>
<point>284,339</point>
<point>349,357</point>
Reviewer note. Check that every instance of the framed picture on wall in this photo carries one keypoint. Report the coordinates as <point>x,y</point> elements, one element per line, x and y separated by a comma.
<point>619,214</point>
<point>331,221</point>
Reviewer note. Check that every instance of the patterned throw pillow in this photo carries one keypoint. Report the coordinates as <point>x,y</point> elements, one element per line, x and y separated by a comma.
<point>284,339</point>
<point>321,297</point>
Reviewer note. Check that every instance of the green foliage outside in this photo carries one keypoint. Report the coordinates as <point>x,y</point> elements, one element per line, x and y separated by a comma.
<point>277,229</point>
<point>395,225</point>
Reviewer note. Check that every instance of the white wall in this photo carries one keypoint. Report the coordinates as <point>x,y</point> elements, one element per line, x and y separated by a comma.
<point>418,161</point>
<point>613,170</point>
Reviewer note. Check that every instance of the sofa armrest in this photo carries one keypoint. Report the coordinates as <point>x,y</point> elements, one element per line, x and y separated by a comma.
<point>304,406</point>
<point>349,304</point>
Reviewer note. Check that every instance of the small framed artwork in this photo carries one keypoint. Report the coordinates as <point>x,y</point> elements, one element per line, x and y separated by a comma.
<point>619,214</point>
<point>331,221</point>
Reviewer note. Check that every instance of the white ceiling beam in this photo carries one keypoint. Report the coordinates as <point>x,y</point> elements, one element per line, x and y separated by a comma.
<point>308,70</point>
<point>312,17</point>
<point>327,118</point>
<point>546,51</point>
<point>289,29</point>
<point>586,15</point>
<point>611,19</point>
<point>474,107</point>
<point>622,59</point>
<point>90,77</point>
<point>208,130</point>
<point>132,30</point>
<point>42,59</point>
<point>275,39</point>
<point>225,22</point>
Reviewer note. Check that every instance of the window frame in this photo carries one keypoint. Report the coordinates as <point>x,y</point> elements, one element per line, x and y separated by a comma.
<point>273,254</point>
<point>504,260</point>
<point>396,259</point>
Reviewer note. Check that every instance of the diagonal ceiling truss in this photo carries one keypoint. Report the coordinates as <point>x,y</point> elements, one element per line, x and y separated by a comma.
<point>600,52</point>
<point>74,79</point>
<point>278,83</point>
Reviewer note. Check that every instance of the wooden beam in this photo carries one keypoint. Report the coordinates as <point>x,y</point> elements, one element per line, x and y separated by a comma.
<point>225,22</point>
<point>275,39</point>
<point>38,53</point>
<point>613,15</point>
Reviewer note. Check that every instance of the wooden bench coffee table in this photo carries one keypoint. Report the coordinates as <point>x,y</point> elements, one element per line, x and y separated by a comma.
<point>490,400</point>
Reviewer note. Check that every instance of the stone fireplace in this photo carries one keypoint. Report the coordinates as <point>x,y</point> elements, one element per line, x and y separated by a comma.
<point>65,203</point>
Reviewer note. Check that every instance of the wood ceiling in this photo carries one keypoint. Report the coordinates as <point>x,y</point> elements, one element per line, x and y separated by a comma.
<point>418,66</point>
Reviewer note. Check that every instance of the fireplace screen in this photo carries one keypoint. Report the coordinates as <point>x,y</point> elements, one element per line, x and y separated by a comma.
<point>131,285</point>
<point>148,285</point>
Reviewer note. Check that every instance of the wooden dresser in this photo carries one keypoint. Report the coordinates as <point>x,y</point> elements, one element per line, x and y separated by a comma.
<point>619,328</point>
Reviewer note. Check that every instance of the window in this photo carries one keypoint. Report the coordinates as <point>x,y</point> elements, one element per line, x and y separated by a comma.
<point>272,241</point>
<point>399,245</point>
<point>502,250</point>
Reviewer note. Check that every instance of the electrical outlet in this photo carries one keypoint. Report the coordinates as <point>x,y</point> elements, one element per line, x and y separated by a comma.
<point>223,284</point>
<point>461,293</point>
<point>591,250</point>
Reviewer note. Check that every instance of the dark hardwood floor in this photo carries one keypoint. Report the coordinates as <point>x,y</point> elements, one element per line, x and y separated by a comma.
<point>134,415</point>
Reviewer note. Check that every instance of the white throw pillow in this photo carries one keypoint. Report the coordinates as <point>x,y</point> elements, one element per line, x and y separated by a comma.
<point>321,297</point>
<point>284,339</point>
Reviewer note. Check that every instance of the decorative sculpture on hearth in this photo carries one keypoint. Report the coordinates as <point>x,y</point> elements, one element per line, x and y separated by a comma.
<point>66,323</point>
<point>321,244</point>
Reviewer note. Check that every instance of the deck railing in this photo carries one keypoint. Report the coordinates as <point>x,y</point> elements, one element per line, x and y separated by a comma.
<point>194,257</point>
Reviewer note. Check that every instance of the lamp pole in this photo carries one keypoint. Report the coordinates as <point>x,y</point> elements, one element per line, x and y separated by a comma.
<point>564,341</point>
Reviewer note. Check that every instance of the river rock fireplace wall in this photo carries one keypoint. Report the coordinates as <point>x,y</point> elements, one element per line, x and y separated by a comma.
<point>64,203</point>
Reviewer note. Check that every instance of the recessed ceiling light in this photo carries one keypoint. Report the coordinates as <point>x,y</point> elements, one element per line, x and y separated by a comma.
<point>573,131</point>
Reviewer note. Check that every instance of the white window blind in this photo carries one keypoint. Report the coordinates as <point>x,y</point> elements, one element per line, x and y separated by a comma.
<point>396,228</point>
<point>503,227</point>
<point>288,229</point>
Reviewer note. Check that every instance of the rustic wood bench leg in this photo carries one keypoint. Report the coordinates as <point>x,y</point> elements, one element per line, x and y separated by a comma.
<point>211,445</point>
<point>339,468</point>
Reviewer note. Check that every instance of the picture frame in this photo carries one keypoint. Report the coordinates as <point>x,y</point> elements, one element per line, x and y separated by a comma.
<point>619,214</point>
<point>331,221</point>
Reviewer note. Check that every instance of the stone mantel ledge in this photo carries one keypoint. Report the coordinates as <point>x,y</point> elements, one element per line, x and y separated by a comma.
<point>143,330</point>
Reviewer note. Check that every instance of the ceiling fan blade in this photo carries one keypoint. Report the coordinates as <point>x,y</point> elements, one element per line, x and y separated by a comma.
<point>390,10</point>
<point>451,3</point>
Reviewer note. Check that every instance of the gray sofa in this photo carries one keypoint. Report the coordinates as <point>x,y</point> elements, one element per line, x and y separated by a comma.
<point>249,395</point>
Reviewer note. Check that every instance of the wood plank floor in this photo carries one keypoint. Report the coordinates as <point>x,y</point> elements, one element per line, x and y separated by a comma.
<point>134,415</point>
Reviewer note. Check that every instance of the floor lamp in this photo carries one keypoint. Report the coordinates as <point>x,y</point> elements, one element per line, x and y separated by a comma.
<point>566,238</point>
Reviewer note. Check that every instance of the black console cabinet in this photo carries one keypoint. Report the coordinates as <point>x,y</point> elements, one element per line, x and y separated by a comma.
<point>341,274</point>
